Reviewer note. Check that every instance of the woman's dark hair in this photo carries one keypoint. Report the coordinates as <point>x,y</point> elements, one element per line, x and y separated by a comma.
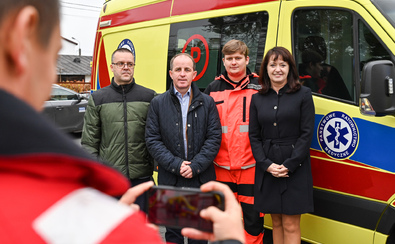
<point>292,79</point>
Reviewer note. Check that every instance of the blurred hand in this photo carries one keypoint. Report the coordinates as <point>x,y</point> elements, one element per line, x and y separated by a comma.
<point>132,193</point>
<point>227,225</point>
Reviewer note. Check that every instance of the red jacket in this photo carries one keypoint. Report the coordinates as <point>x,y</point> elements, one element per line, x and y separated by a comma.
<point>233,103</point>
<point>53,192</point>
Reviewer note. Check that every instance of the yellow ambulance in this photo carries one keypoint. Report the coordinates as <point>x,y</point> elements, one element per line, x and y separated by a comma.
<point>352,162</point>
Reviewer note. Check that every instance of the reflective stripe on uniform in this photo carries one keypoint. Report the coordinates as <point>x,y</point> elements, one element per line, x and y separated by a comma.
<point>228,167</point>
<point>224,167</point>
<point>243,128</point>
<point>83,216</point>
<point>248,166</point>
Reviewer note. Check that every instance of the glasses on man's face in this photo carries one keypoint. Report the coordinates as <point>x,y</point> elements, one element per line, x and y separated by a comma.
<point>120,65</point>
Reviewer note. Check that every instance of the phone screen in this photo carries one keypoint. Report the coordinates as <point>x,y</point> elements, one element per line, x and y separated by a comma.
<point>180,207</point>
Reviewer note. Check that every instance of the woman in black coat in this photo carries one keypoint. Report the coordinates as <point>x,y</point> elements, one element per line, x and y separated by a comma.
<point>280,130</point>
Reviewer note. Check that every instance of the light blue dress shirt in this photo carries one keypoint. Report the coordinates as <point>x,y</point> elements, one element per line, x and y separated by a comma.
<point>184,101</point>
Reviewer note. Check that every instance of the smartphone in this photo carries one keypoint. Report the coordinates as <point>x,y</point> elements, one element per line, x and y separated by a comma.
<point>177,207</point>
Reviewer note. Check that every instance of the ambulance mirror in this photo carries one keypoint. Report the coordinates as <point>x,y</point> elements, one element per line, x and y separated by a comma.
<point>377,88</point>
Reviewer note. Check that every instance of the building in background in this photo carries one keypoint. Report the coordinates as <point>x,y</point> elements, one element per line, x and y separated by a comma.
<point>73,70</point>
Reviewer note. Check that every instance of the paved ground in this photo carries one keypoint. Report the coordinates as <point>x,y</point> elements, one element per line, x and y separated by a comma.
<point>162,231</point>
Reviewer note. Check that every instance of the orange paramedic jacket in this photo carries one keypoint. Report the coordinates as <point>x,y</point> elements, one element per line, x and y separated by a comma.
<point>233,103</point>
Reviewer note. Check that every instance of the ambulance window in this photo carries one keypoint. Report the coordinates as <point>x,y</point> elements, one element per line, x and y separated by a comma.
<point>324,51</point>
<point>370,48</point>
<point>252,38</point>
<point>204,39</point>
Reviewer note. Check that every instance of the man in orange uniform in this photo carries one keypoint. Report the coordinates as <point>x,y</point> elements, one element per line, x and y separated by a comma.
<point>235,164</point>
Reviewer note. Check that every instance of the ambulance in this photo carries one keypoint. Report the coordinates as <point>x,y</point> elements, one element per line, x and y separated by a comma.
<point>353,149</point>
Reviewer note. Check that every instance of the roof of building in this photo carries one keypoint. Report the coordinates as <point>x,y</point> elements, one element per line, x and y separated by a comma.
<point>74,65</point>
<point>68,40</point>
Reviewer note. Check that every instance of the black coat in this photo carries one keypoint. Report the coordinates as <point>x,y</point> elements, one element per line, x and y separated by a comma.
<point>281,130</point>
<point>164,137</point>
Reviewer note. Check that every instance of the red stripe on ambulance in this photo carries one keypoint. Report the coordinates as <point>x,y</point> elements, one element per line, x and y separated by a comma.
<point>103,73</point>
<point>163,9</point>
<point>192,6</point>
<point>95,53</point>
<point>351,178</point>
<point>144,13</point>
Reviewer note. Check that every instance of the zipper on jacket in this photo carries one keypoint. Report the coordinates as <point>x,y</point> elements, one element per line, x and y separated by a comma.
<point>125,125</point>
<point>244,109</point>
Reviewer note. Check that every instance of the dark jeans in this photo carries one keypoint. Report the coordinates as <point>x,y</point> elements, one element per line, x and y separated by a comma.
<point>174,236</point>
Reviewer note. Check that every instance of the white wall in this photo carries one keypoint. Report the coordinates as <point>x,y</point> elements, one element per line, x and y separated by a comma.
<point>68,48</point>
<point>87,78</point>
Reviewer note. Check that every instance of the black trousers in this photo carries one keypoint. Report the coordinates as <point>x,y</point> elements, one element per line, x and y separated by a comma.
<point>174,236</point>
<point>142,199</point>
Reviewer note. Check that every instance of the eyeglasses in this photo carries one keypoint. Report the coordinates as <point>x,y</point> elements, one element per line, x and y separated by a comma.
<point>120,65</point>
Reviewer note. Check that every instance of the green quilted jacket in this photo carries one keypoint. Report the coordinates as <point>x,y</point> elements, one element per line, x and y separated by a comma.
<point>114,128</point>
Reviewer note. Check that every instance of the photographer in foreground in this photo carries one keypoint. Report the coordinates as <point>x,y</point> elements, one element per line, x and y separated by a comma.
<point>52,191</point>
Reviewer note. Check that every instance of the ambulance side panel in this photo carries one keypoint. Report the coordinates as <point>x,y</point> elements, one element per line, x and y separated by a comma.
<point>352,182</point>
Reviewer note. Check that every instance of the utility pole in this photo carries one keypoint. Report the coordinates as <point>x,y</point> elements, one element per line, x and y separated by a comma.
<point>79,46</point>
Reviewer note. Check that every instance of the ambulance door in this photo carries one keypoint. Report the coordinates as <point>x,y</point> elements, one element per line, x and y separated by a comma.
<point>352,165</point>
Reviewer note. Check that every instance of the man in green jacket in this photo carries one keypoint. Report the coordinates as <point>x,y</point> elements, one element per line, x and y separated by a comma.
<point>114,122</point>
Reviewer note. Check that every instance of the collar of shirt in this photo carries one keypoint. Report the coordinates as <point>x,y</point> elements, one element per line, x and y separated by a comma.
<point>178,94</point>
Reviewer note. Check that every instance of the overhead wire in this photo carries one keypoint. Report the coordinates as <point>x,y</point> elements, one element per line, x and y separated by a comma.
<point>83,7</point>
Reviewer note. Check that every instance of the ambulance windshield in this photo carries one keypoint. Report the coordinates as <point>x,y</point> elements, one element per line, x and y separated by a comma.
<point>387,7</point>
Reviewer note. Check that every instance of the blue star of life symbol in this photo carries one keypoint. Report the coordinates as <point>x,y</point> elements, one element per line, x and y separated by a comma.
<point>337,135</point>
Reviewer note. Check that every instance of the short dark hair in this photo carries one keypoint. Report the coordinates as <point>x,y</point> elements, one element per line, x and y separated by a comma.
<point>48,11</point>
<point>316,43</point>
<point>311,56</point>
<point>182,54</point>
<point>292,79</point>
<point>120,50</point>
